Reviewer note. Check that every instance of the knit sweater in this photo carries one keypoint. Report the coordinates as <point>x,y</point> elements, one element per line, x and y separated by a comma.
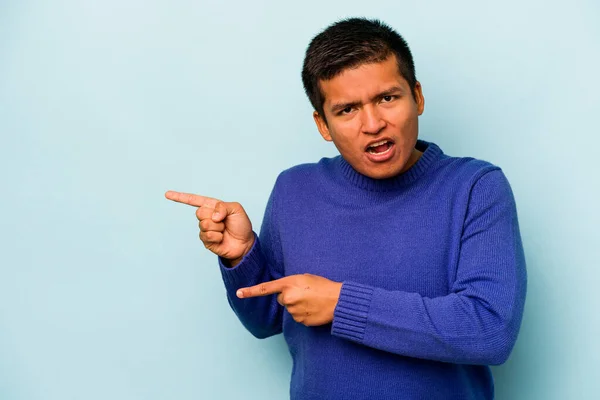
<point>432,270</point>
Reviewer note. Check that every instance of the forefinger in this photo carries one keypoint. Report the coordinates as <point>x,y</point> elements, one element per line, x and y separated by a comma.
<point>191,199</point>
<point>263,289</point>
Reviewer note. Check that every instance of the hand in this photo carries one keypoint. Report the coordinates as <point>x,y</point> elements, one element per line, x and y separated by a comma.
<point>225,228</point>
<point>310,299</point>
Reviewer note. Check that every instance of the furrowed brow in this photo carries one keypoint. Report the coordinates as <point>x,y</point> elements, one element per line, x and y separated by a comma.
<point>388,92</point>
<point>340,106</point>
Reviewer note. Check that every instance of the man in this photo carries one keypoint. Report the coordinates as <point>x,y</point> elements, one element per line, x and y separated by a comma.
<point>394,270</point>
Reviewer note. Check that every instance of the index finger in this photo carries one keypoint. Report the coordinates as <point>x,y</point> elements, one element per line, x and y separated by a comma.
<point>191,199</point>
<point>263,289</point>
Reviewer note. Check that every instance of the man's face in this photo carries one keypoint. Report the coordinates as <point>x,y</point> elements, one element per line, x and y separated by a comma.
<point>372,118</point>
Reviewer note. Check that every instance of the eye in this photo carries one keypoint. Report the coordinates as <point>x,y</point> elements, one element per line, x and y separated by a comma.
<point>346,110</point>
<point>387,99</point>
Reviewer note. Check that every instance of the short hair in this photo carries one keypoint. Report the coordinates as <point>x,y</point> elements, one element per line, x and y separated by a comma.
<point>350,43</point>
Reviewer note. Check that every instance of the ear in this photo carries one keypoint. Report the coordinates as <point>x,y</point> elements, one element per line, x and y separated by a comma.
<point>419,99</point>
<point>322,126</point>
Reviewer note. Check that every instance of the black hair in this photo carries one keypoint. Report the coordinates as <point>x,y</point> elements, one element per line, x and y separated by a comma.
<point>350,43</point>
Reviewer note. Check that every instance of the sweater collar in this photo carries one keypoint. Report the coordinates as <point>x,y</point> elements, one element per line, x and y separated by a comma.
<point>431,153</point>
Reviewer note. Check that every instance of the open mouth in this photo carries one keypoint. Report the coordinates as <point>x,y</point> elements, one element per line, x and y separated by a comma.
<point>381,147</point>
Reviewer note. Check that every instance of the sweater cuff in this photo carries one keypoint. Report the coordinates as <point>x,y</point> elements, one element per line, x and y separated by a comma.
<point>246,271</point>
<point>351,312</point>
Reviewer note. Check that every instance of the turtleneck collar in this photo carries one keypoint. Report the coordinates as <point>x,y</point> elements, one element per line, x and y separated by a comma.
<point>431,153</point>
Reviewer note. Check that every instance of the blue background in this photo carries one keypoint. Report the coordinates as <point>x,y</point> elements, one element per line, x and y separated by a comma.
<point>105,290</point>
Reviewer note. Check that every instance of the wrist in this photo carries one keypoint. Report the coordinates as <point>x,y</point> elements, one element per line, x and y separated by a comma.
<point>235,261</point>
<point>335,298</point>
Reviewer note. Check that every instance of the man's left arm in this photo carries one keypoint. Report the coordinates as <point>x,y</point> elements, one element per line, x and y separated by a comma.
<point>478,321</point>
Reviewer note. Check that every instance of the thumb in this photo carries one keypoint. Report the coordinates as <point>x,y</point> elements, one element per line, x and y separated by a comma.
<point>221,211</point>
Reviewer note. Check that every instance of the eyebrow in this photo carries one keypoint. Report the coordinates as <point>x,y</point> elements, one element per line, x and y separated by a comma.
<point>340,106</point>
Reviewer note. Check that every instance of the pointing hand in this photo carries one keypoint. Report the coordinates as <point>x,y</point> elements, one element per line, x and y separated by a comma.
<point>310,299</point>
<point>225,228</point>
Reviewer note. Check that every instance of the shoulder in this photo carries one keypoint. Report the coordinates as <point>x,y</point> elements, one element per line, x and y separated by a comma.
<point>466,169</point>
<point>304,174</point>
<point>470,176</point>
<point>480,182</point>
<point>467,172</point>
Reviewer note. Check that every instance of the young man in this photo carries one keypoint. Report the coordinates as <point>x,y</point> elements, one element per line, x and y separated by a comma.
<point>394,270</point>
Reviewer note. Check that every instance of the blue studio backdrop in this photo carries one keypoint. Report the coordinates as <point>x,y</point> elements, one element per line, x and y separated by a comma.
<point>106,291</point>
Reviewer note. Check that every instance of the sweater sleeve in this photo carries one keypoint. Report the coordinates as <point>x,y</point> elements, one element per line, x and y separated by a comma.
<point>477,322</point>
<point>261,316</point>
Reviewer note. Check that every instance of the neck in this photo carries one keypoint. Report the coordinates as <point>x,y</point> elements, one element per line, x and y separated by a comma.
<point>412,160</point>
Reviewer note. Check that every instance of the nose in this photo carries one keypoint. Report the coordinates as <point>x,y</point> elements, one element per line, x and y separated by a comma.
<point>372,121</point>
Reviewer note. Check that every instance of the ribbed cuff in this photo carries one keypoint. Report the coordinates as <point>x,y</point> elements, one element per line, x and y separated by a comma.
<point>352,310</point>
<point>246,270</point>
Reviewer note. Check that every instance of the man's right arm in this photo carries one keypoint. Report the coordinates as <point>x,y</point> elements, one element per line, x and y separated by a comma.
<point>262,316</point>
<point>245,259</point>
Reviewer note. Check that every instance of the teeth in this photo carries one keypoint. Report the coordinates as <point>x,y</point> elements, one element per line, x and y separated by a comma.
<point>378,143</point>
<point>372,151</point>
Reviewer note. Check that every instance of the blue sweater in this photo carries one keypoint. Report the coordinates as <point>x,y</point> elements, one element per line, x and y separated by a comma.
<point>433,276</point>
